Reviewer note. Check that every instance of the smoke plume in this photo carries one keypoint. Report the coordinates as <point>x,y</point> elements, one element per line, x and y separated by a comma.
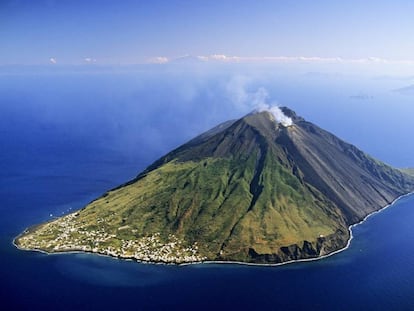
<point>245,100</point>
<point>260,103</point>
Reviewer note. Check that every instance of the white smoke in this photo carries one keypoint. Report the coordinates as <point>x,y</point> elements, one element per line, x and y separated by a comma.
<point>245,100</point>
<point>260,103</point>
<point>236,90</point>
<point>280,117</point>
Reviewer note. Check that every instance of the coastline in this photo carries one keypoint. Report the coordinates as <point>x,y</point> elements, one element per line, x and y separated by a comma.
<point>227,262</point>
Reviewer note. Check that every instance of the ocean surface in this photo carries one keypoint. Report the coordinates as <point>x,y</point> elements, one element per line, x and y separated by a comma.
<point>66,139</point>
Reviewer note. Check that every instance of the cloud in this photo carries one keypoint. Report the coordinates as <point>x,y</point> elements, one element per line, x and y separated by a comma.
<point>52,60</point>
<point>271,59</point>
<point>222,58</point>
<point>158,60</point>
<point>89,60</point>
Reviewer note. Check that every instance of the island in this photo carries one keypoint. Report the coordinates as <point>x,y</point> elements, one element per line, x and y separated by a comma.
<point>259,190</point>
<point>409,171</point>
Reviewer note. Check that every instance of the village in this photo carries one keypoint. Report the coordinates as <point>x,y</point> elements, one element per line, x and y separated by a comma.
<point>67,235</point>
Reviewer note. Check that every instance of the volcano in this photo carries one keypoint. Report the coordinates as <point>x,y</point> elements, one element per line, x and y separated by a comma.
<point>250,190</point>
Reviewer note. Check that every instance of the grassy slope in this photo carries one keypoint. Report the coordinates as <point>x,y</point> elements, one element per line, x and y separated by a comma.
<point>209,202</point>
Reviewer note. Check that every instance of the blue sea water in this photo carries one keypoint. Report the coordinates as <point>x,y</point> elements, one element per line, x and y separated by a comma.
<point>66,139</point>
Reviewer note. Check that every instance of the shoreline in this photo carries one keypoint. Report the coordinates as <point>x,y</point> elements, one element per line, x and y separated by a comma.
<point>209,262</point>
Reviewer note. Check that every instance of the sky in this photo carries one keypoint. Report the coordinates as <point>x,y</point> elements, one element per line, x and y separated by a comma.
<point>337,63</point>
<point>135,32</point>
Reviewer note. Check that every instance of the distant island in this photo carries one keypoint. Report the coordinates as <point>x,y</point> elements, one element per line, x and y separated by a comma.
<point>268,188</point>
<point>361,96</point>
<point>408,90</point>
<point>409,171</point>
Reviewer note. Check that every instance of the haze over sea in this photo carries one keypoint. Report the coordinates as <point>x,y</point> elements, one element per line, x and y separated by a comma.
<point>67,137</point>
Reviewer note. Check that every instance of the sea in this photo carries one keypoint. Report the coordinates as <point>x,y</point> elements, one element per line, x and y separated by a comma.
<point>66,138</point>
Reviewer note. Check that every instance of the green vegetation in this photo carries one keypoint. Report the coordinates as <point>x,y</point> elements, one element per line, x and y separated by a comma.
<point>206,203</point>
<point>252,191</point>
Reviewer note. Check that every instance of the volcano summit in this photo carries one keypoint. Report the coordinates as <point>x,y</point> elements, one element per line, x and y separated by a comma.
<point>251,190</point>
